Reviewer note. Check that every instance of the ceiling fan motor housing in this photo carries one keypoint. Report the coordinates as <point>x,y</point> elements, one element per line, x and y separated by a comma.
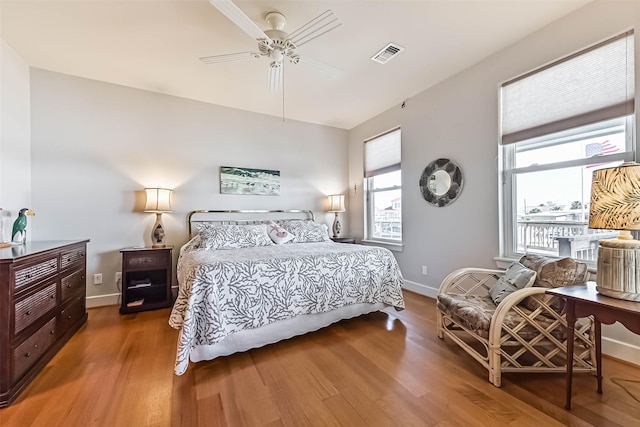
<point>280,45</point>
<point>276,20</point>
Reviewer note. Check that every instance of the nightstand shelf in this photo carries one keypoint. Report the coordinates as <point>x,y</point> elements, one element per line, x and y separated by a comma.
<point>146,279</point>
<point>344,239</point>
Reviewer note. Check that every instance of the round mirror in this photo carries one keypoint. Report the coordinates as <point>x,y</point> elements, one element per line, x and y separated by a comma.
<point>441,182</point>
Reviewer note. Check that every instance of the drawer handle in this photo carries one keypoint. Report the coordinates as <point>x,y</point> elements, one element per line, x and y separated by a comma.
<point>52,296</point>
<point>35,346</point>
<point>51,332</point>
<point>28,276</point>
<point>68,259</point>
<point>69,286</point>
<point>82,277</point>
<point>69,317</point>
<point>27,355</point>
<point>27,313</point>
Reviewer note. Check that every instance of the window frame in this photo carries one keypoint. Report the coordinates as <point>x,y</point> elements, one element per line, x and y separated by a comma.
<point>509,172</point>
<point>370,211</point>
<point>369,191</point>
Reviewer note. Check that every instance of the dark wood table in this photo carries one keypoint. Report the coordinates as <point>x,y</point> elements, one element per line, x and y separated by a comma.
<point>583,301</point>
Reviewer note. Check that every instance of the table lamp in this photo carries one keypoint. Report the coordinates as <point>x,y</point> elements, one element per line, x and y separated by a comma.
<point>336,205</point>
<point>158,201</point>
<point>615,205</point>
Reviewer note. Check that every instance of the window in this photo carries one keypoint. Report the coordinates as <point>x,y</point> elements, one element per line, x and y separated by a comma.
<point>559,124</point>
<point>383,188</point>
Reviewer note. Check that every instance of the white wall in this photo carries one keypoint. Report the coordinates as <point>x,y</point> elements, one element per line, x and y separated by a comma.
<point>15,162</point>
<point>459,119</point>
<point>96,146</point>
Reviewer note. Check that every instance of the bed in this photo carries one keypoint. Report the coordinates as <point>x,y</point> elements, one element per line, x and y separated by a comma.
<point>239,289</point>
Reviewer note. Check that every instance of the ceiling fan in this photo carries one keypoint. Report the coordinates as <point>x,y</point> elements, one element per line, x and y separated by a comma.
<point>276,44</point>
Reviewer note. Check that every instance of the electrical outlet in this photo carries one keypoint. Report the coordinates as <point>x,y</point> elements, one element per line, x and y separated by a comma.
<point>118,277</point>
<point>424,270</point>
<point>97,279</point>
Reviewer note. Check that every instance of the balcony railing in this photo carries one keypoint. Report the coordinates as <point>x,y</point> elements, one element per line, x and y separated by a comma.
<point>562,238</point>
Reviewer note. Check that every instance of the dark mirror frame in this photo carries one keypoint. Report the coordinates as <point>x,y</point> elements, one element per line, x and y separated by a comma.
<point>455,188</point>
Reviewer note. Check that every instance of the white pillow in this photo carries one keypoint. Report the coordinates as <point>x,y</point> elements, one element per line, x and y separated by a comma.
<point>305,231</point>
<point>516,277</point>
<point>278,234</point>
<point>234,236</point>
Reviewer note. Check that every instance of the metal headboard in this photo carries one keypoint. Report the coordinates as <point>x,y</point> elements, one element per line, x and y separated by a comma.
<point>243,216</point>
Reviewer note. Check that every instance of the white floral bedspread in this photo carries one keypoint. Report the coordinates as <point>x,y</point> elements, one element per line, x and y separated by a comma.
<point>225,291</point>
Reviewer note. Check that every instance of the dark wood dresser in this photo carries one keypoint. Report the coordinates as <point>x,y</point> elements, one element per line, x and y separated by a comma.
<point>42,304</point>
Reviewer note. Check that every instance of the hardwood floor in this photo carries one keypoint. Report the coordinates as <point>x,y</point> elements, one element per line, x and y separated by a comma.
<point>382,369</point>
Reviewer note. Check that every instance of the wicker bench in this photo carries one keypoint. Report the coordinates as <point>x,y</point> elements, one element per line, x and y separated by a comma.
<point>526,331</point>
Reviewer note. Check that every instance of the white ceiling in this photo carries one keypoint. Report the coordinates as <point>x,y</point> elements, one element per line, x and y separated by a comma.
<point>155,45</point>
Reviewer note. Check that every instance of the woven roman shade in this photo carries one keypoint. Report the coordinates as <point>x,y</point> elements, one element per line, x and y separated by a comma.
<point>590,86</point>
<point>382,154</point>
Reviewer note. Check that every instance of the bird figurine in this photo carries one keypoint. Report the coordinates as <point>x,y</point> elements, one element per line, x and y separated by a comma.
<point>19,234</point>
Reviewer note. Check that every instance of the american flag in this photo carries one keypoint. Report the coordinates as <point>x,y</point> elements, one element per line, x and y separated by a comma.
<point>600,149</point>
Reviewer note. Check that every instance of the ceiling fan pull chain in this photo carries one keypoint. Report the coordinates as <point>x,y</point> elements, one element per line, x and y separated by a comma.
<point>283,90</point>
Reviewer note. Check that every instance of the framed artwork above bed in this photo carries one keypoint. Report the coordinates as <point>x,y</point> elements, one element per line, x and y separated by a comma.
<point>261,182</point>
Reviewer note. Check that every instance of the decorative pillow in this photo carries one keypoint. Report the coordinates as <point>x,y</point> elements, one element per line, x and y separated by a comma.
<point>234,236</point>
<point>278,234</point>
<point>305,231</point>
<point>516,277</point>
<point>553,273</point>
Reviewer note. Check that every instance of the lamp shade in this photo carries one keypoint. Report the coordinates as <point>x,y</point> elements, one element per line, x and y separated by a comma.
<point>336,203</point>
<point>158,200</point>
<point>615,198</point>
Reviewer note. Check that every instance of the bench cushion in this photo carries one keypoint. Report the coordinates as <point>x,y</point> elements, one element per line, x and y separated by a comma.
<point>474,313</point>
<point>471,311</point>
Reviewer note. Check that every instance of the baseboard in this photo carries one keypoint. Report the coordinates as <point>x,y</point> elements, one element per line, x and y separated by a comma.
<point>621,350</point>
<point>103,300</point>
<point>111,299</point>
<point>421,289</point>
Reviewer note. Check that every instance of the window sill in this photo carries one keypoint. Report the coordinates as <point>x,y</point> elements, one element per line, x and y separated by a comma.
<point>396,247</point>
<point>504,262</point>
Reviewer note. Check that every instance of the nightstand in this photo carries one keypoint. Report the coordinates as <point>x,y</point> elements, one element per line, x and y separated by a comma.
<point>146,279</point>
<point>344,239</point>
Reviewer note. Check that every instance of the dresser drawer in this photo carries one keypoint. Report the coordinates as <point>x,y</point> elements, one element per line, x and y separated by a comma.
<point>72,283</point>
<point>145,260</point>
<point>71,314</point>
<point>28,353</point>
<point>25,275</point>
<point>71,257</point>
<point>33,307</point>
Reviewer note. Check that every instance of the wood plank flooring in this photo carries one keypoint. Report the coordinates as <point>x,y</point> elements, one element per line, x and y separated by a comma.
<point>382,369</point>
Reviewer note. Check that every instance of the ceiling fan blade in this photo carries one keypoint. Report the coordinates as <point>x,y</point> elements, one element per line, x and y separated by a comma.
<point>313,29</point>
<point>214,59</point>
<point>231,11</point>
<point>274,77</point>
<point>319,67</point>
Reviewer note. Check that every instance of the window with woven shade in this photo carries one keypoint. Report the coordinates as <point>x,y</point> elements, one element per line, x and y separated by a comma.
<point>559,123</point>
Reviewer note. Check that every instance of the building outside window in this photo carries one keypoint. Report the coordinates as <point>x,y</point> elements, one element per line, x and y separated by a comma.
<point>559,124</point>
<point>383,188</point>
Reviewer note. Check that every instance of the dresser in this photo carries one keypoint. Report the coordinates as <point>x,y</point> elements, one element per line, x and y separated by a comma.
<point>42,304</point>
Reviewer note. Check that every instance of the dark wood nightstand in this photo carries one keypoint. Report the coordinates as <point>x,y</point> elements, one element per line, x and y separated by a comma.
<point>146,279</point>
<point>344,239</point>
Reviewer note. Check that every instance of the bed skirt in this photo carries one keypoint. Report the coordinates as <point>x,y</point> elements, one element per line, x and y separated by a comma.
<point>254,338</point>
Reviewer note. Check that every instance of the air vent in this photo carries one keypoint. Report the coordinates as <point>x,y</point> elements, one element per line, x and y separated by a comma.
<point>387,53</point>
